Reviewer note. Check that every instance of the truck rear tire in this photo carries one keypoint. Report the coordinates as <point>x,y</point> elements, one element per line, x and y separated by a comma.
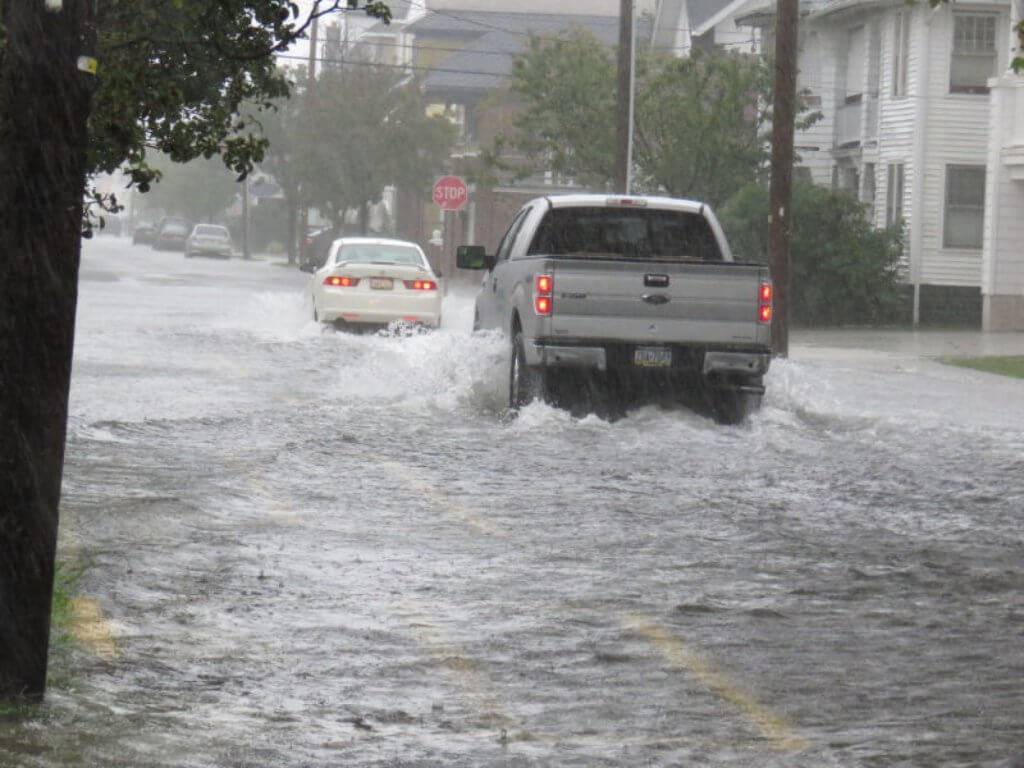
<point>731,407</point>
<point>525,382</point>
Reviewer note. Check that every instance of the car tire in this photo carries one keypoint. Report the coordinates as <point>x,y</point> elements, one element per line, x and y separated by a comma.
<point>525,382</point>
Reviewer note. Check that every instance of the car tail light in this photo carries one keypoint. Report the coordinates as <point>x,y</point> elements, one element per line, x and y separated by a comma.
<point>764,312</point>
<point>543,288</point>
<point>342,281</point>
<point>420,285</point>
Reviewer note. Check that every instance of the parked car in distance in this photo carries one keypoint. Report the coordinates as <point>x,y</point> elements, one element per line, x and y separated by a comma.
<point>369,283</point>
<point>171,234</point>
<point>209,240</point>
<point>144,233</point>
<point>315,245</point>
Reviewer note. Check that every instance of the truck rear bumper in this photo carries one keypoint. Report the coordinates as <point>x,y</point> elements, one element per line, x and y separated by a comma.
<point>539,353</point>
<point>597,357</point>
<point>747,363</point>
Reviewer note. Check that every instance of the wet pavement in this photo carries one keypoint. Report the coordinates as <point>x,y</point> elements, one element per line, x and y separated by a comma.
<point>306,548</point>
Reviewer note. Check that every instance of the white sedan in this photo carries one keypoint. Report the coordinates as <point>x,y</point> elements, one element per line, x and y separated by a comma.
<point>373,282</point>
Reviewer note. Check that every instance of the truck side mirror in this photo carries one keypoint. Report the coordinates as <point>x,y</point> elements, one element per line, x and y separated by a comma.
<point>473,257</point>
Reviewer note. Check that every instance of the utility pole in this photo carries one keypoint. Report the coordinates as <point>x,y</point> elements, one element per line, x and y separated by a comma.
<point>780,193</point>
<point>46,85</point>
<point>246,252</point>
<point>624,107</point>
<point>310,99</point>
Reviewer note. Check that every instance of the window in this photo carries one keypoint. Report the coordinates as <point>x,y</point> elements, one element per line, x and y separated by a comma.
<point>850,180</point>
<point>505,246</point>
<point>965,206</point>
<point>855,75</point>
<point>867,193</point>
<point>974,52</point>
<point>900,53</point>
<point>627,233</point>
<point>893,193</point>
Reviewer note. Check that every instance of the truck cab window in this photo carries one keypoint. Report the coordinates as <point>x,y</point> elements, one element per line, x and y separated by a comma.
<point>505,246</point>
<point>666,235</point>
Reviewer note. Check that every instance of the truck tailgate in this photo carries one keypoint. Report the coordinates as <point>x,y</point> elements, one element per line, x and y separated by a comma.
<point>658,302</point>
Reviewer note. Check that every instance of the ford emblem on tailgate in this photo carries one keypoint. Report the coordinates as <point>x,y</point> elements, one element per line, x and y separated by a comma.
<point>656,281</point>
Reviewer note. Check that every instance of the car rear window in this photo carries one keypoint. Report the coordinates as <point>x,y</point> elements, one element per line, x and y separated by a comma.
<point>371,252</point>
<point>633,233</point>
<point>211,229</point>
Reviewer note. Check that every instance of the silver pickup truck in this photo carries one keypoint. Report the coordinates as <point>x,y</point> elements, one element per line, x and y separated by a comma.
<point>633,293</point>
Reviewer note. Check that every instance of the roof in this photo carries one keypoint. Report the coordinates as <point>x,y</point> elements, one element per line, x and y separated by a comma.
<point>700,12</point>
<point>486,60</point>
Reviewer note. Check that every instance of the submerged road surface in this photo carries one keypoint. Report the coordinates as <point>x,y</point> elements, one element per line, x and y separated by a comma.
<point>308,548</point>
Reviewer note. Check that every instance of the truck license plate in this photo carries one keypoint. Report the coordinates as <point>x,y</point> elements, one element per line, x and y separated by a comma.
<point>652,357</point>
<point>382,283</point>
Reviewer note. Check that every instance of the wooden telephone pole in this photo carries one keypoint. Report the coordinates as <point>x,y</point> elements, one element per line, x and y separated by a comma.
<point>46,84</point>
<point>624,110</point>
<point>780,193</point>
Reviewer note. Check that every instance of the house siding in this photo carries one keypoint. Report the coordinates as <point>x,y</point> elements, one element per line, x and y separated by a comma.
<point>957,135</point>
<point>1003,283</point>
<point>1008,268</point>
<point>816,79</point>
<point>897,119</point>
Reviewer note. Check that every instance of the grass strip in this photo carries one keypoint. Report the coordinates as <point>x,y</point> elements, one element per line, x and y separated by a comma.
<point>62,640</point>
<point>1009,365</point>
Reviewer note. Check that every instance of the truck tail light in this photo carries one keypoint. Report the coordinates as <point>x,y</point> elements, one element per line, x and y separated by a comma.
<point>341,281</point>
<point>764,312</point>
<point>543,288</point>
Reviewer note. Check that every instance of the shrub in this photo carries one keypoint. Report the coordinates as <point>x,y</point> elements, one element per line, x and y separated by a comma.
<point>842,270</point>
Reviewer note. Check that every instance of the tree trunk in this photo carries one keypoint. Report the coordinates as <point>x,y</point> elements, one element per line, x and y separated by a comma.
<point>364,218</point>
<point>44,107</point>
<point>293,232</point>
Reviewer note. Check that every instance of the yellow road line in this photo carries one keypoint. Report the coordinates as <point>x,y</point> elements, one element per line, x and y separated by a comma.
<point>772,725</point>
<point>468,673</point>
<point>92,630</point>
<point>440,500</point>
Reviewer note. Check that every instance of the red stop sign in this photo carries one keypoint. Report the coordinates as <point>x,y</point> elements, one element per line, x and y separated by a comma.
<point>451,193</point>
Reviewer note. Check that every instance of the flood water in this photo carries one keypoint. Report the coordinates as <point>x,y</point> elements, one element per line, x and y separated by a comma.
<point>309,548</point>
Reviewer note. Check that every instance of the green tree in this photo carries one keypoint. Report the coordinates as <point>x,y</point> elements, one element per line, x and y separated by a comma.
<point>285,159</point>
<point>170,76</point>
<point>843,271</point>
<point>700,124</point>
<point>566,87</point>
<point>366,130</point>
<point>199,190</point>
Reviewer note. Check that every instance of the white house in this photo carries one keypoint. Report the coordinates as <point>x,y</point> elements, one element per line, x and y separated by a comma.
<point>1002,279</point>
<point>682,25</point>
<point>919,123</point>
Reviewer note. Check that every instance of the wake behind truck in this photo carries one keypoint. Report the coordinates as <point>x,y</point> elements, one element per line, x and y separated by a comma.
<point>635,293</point>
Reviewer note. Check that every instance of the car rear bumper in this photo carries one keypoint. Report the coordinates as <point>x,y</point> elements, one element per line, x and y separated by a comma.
<point>380,307</point>
<point>200,250</point>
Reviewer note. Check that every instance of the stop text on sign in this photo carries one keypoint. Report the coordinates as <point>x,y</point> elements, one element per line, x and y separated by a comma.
<point>450,193</point>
